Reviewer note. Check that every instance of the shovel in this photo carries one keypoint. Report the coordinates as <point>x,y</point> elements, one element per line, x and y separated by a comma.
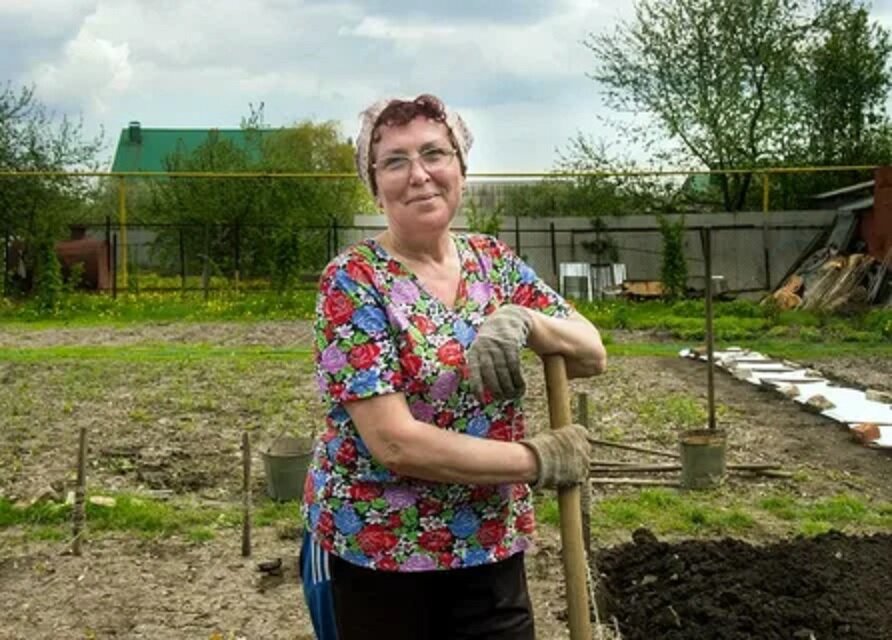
<point>569,499</point>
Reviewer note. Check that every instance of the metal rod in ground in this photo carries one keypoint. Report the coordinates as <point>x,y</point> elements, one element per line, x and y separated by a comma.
<point>585,498</point>
<point>706,239</point>
<point>78,514</point>
<point>246,495</point>
<point>631,447</point>
<point>635,482</point>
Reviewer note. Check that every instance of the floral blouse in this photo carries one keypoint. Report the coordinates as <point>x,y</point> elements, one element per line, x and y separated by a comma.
<point>378,331</point>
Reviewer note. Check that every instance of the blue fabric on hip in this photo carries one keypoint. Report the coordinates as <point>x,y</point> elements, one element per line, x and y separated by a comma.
<point>316,579</point>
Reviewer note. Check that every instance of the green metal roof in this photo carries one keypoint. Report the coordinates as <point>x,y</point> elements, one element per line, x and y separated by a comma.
<point>142,149</point>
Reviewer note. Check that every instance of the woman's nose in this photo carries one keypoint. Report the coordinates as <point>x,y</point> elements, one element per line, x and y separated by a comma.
<point>417,172</point>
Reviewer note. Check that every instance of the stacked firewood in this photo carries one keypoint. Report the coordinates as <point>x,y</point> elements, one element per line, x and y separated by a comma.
<point>830,281</point>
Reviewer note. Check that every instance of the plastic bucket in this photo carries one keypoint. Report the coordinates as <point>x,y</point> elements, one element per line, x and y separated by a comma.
<point>285,463</point>
<point>703,458</point>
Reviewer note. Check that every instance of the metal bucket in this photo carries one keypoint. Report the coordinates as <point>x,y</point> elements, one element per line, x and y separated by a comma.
<point>703,458</point>
<point>285,463</point>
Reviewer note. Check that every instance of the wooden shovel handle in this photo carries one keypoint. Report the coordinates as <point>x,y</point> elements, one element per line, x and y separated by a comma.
<point>573,551</point>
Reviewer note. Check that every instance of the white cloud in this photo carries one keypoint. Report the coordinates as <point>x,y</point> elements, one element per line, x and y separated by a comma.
<point>91,69</point>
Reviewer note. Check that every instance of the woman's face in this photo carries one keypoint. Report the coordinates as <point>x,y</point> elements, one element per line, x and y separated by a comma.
<point>416,197</point>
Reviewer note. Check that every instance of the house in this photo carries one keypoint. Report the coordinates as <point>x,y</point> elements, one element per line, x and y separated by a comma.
<point>146,150</point>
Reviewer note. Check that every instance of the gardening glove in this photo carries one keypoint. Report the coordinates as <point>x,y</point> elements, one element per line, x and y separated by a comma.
<point>564,455</point>
<point>494,357</point>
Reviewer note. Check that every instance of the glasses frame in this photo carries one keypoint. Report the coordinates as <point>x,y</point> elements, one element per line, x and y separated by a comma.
<point>449,150</point>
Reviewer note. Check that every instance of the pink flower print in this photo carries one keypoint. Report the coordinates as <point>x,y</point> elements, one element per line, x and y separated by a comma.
<point>445,385</point>
<point>333,359</point>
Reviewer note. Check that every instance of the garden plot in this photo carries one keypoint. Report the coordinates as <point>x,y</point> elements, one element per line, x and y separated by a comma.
<point>165,407</point>
<point>868,413</point>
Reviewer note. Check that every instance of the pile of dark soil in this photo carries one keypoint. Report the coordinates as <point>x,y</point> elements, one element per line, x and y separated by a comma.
<point>829,587</point>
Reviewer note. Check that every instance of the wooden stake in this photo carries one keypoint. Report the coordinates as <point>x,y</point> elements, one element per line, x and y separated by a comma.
<point>630,447</point>
<point>636,482</point>
<point>573,552</point>
<point>78,514</point>
<point>246,495</point>
<point>585,498</point>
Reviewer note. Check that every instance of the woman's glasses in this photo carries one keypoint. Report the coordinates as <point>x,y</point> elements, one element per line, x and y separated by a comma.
<point>398,164</point>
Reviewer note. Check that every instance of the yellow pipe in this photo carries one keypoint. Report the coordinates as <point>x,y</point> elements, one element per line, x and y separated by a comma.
<point>515,174</point>
<point>122,220</point>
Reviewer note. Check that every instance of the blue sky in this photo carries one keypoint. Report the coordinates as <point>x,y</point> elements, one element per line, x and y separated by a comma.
<point>515,69</point>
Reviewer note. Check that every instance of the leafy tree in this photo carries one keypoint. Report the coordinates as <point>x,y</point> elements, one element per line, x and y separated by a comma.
<point>715,74</point>
<point>846,85</point>
<point>34,210</point>
<point>674,268</point>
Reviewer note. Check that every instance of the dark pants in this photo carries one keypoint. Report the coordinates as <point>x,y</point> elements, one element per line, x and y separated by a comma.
<point>489,601</point>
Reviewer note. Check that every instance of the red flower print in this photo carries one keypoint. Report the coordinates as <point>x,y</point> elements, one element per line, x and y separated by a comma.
<point>394,521</point>
<point>337,307</point>
<point>362,356</point>
<point>499,430</point>
<point>481,493</point>
<point>541,301</point>
<point>394,267</point>
<point>424,324</point>
<point>346,453</point>
<point>501,552</point>
<point>451,353</point>
<point>365,491</point>
<point>336,389</point>
<point>375,538</point>
<point>524,295</point>
<point>360,271</point>
<point>446,560</point>
<point>525,522</point>
<point>387,563</point>
<point>445,418</point>
<point>429,507</point>
<point>491,533</point>
<point>435,540</point>
<point>410,363</point>
<point>326,524</point>
<point>519,491</point>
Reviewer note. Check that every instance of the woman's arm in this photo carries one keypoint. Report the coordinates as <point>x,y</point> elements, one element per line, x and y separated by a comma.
<point>413,448</point>
<point>574,337</point>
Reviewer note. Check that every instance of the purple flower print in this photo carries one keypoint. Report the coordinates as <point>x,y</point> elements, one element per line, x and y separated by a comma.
<point>419,562</point>
<point>404,292</point>
<point>333,359</point>
<point>400,497</point>
<point>480,292</point>
<point>445,385</point>
<point>422,411</point>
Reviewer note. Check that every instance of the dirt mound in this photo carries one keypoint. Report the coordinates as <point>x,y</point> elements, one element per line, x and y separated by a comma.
<point>831,586</point>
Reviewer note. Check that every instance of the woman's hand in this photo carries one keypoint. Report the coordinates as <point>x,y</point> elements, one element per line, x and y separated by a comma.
<point>494,356</point>
<point>563,455</point>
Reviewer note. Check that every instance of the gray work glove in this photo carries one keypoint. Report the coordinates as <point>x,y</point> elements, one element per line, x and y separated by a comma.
<point>564,456</point>
<point>494,356</point>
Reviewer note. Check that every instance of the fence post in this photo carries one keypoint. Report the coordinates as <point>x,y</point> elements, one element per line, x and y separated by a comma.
<point>517,235</point>
<point>554,262</point>
<point>114,274</point>
<point>6,286</point>
<point>206,269</point>
<point>765,233</point>
<point>122,221</point>
<point>108,246</point>
<point>238,253</point>
<point>182,261</point>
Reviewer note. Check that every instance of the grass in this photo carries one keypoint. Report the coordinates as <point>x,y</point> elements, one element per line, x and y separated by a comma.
<point>144,517</point>
<point>673,513</point>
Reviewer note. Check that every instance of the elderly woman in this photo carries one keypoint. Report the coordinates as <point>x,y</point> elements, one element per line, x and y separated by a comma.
<point>418,500</point>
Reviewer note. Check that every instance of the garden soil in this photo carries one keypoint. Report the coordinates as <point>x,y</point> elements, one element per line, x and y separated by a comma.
<point>158,431</point>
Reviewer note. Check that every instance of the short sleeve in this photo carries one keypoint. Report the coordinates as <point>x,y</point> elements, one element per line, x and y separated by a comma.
<point>524,287</point>
<point>355,353</point>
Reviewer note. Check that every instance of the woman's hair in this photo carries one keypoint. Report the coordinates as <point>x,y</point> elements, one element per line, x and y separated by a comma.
<point>398,112</point>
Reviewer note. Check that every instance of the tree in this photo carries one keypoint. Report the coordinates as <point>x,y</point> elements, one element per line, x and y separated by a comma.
<point>717,75</point>
<point>34,210</point>
<point>846,86</point>
<point>265,217</point>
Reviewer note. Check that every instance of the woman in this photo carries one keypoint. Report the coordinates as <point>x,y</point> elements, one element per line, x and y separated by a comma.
<point>418,501</point>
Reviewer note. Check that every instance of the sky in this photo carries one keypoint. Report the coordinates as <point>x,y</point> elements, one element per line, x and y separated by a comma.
<point>514,69</point>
